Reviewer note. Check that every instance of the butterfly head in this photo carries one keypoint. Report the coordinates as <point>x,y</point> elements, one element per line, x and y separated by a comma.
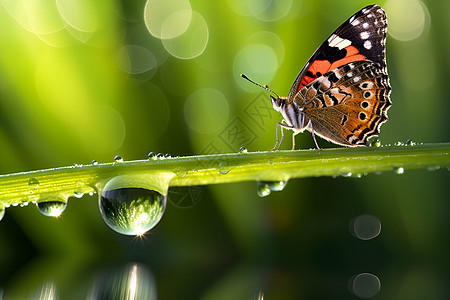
<point>278,102</point>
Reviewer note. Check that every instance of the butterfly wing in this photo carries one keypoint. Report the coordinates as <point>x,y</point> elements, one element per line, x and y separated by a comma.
<point>347,105</point>
<point>361,37</point>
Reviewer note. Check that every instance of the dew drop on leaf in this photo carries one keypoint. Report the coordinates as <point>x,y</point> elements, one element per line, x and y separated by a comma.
<point>33,184</point>
<point>131,211</point>
<point>242,150</point>
<point>118,159</point>
<point>152,156</point>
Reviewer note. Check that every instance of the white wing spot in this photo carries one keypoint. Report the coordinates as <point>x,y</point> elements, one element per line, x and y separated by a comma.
<point>370,15</point>
<point>356,79</point>
<point>355,23</point>
<point>336,41</point>
<point>367,45</point>
<point>366,25</point>
<point>364,35</point>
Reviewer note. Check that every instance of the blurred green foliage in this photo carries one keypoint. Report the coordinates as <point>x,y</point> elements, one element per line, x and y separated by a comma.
<point>84,80</point>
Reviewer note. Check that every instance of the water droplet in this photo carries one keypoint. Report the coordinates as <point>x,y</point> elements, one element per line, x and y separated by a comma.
<point>160,156</point>
<point>398,144</point>
<point>276,186</point>
<point>399,170</point>
<point>131,210</point>
<point>364,285</point>
<point>262,189</point>
<point>152,156</point>
<point>15,204</point>
<point>167,155</point>
<point>375,142</point>
<point>91,193</point>
<point>51,208</point>
<point>2,213</point>
<point>365,227</point>
<point>118,159</point>
<point>410,143</point>
<point>78,194</point>
<point>33,183</point>
<point>346,174</point>
<point>242,150</point>
<point>224,168</point>
<point>94,162</point>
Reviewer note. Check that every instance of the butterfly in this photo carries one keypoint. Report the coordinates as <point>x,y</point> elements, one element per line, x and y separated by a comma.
<point>342,93</point>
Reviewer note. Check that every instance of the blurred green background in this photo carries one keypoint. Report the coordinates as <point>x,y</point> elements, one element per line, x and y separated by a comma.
<point>83,80</point>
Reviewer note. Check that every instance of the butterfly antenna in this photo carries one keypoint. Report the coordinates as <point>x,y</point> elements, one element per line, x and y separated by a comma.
<point>262,86</point>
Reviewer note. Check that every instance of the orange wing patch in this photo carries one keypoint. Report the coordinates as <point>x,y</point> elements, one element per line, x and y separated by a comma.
<point>320,67</point>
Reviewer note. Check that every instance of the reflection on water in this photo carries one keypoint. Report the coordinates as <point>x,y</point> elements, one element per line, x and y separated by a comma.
<point>131,282</point>
<point>47,291</point>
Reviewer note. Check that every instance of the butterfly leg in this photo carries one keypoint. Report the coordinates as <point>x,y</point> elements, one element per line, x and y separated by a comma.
<point>282,125</point>
<point>313,135</point>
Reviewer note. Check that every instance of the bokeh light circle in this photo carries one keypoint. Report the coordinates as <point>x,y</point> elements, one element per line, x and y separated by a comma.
<point>192,42</point>
<point>365,227</point>
<point>269,10</point>
<point>81,15</point>
<point>135,59</point>
<point>206,110</point>
<point>407,19</point>
<point>268,38</point>
<point>364,285</point>
<point>167,19</point>
<point>258,61</point>
<point>39,17</point>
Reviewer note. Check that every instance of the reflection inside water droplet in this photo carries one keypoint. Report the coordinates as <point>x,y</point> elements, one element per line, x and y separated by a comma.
<point>118,159</point>
<point>152,156</point>
<point>276,186</point>
<point>51,208</point>
<point>131,211</point>
<point>133,281</point>
<point>364,285</point>
<point>242,150</point>
<point>365,227</point>
<point>264,188</point>
<point>399,170</point>
<point>2,213</point>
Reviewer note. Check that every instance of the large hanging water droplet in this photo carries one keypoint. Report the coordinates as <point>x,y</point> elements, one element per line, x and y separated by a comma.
<point>51,208</point>
<point>132,211</point>
<point>33,184</point>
